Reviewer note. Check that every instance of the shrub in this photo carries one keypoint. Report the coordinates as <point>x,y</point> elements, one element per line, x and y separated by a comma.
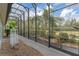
<point>63,37</point>
<point>72,39</point>
<point>72,36</point>
<point>53,34</point>
<point>43,33</point>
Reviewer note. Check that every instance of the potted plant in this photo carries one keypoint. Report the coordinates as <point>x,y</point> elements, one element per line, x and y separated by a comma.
<point>11,24</point>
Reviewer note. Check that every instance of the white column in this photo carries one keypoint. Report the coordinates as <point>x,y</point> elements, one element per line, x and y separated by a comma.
<point>0,35</point>
<point>13,38</point>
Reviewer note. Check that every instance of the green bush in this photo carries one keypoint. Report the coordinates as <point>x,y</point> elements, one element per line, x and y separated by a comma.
<point>72,39</point>
<point>63,37</point>
<point>44,33</point>
<point>72,36</point>
<point>53,34</point>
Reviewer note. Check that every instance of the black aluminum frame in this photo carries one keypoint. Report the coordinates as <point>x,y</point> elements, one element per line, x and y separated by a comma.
<point>35,9</point>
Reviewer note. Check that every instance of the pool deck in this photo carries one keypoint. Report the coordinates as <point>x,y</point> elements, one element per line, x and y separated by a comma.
<point>41,48</point>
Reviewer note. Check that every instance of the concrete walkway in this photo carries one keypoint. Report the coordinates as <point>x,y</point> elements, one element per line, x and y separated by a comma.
<point>41,48</point>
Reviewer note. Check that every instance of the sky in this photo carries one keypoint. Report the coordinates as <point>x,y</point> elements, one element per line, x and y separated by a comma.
<point>67,13</point>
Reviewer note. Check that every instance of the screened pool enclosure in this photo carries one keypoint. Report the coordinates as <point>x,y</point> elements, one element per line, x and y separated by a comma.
<point>54,25</point>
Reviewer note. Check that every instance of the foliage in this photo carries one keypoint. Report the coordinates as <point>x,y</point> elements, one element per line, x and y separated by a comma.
<point>11,24</point>
<point>44,33</point>
<point>65,29</point>
<point>58,21</point>
<point>63,37</point>
<point>72,39</point>
<point>56,24</point>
